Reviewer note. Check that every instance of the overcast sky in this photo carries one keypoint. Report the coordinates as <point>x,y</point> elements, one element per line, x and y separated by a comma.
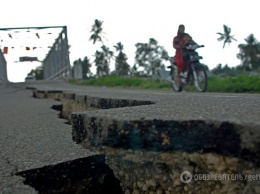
<point>135,21</point>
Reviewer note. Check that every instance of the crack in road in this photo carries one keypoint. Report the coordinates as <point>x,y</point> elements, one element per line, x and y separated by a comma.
<point>122,140</point>
<point>82,175</point>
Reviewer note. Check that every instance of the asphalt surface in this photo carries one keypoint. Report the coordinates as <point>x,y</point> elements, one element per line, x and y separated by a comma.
<point>33,136</point>
<point>236,108</point>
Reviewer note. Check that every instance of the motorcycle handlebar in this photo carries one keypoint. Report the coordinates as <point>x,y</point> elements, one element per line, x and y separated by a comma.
<point>198,46</point>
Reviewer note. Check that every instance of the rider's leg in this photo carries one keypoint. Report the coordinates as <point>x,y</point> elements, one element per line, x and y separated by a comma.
<point>179,63</point>
<point>178,79</point>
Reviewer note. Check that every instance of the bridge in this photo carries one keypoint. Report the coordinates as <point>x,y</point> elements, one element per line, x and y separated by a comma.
<point>55,63</point>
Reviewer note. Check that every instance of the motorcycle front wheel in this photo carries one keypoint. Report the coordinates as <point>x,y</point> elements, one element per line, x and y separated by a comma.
<point>200,77</point>
<point>173,76</point>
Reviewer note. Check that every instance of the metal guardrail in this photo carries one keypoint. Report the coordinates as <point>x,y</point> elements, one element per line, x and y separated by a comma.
<point>57,63</point>
<point>3,70</point>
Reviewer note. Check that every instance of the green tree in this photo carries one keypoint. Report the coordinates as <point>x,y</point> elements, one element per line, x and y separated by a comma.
<point>217,69</point>
<point>141,54</point>
<point>86,65</point>
<point>37,73</point>
<point>121,65</point>
<point>150,56</point>
<point>225,70</point>
<point>107,55</point>
<point>249,53</point>
<point>99,62</point>
<point>102,58</point>
<point>102,61</point>
<point>134,70</point>
<point>97,31</point>
<point>226,37</point>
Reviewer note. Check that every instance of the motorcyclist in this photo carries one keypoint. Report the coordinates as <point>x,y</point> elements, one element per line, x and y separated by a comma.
<point>179,41</point>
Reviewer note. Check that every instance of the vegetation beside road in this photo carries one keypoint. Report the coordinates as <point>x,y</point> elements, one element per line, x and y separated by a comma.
<point>236,84</point>
<point>124,82</point>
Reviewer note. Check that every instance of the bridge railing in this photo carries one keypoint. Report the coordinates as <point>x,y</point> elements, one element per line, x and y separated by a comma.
<point>3,70</point>
<point>57,64</point>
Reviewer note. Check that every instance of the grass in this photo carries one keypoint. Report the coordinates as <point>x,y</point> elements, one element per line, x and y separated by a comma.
<point>237,84</point>
<point>125,82</point>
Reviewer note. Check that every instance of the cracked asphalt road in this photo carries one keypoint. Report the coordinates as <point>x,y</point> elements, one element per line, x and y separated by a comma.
<point>32,136</point>
<point>237,108</point>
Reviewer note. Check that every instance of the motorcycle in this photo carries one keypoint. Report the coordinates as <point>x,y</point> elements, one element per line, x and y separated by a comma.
<point>194,74</point>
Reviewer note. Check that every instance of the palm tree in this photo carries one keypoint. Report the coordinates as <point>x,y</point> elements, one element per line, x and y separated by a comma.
<point>250,53</point>
<point>109,54</point>
<point>121,65</point>
<point>97,31</point>
<point>99,62</point>
<point>102,61</point>
<point>226,36</point>
<point>102,58</point>
<point>119,47</point>
<point>107,57</point>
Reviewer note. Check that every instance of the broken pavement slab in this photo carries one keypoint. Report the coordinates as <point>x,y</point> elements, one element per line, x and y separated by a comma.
<point>213,127</point>
<point>32,136</point>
